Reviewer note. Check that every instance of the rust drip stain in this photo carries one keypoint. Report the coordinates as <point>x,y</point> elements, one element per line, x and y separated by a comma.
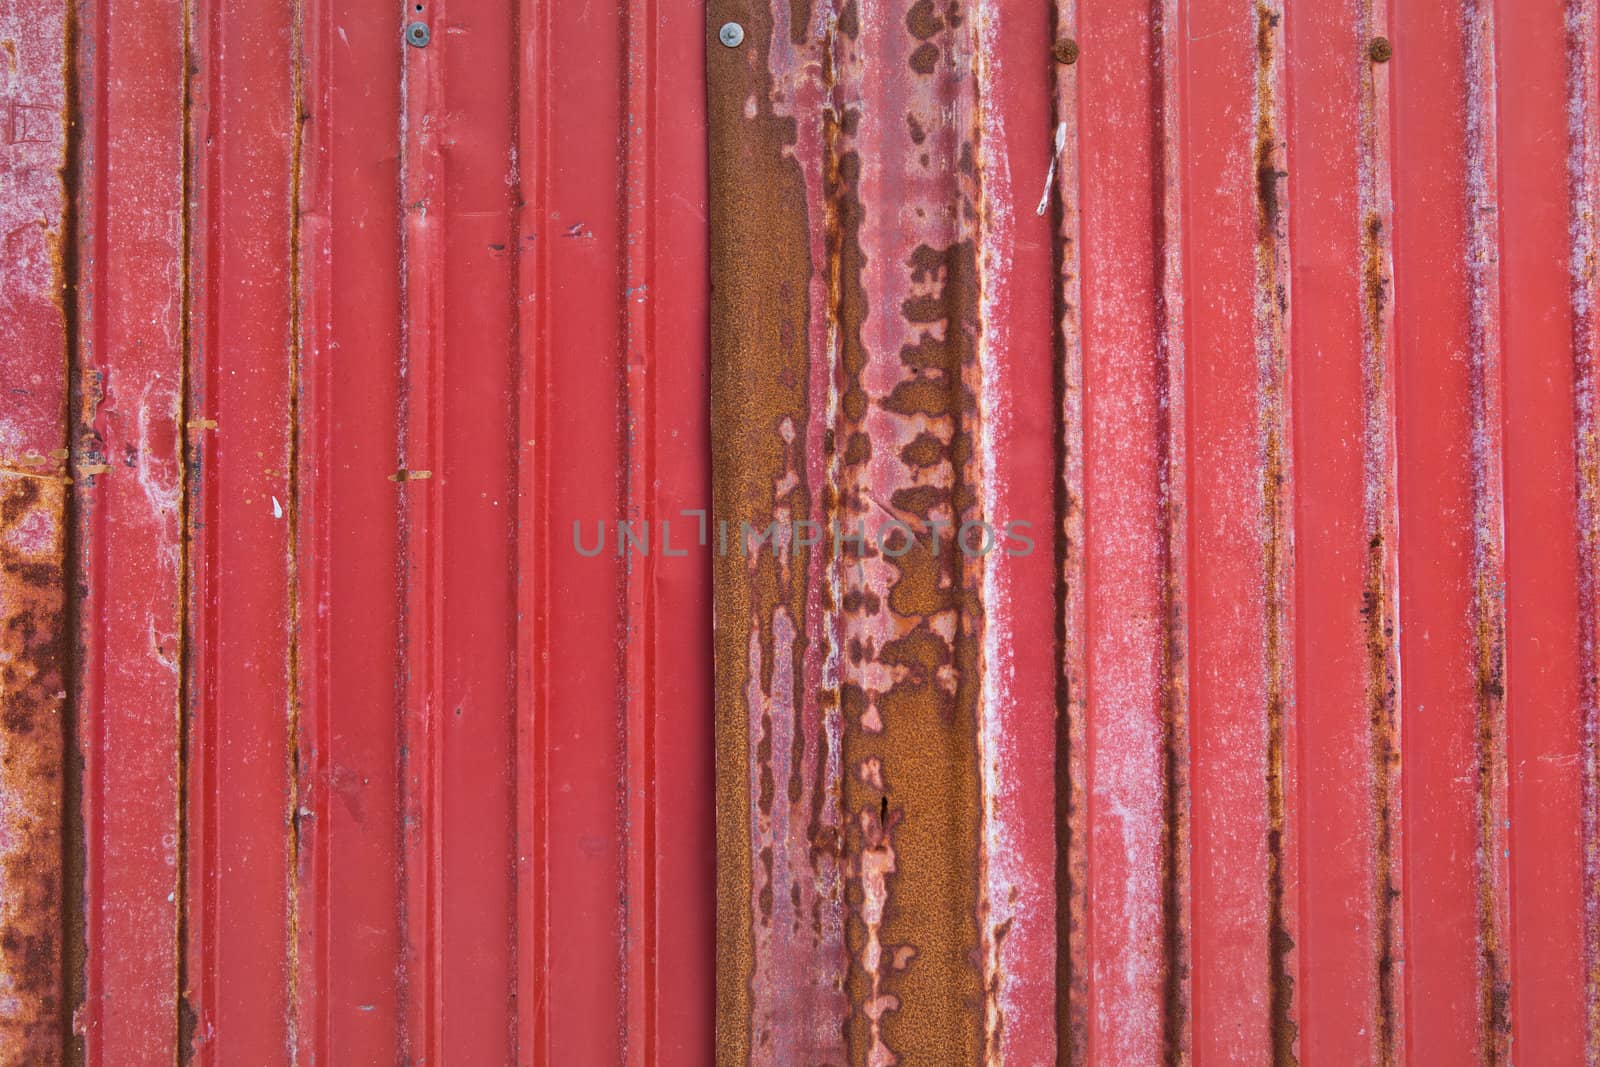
<point>1583,171</point>
<point>1168,320</point>
<point>1378,612</point>
<point>780,954</point>
<point>1488,535</point>
<point>32,700</point>
<point>1379,607</point>
<point>911,615</point>
<point>845,207</point>
<point>912,626</point>
<point>1072,861</point>
<point>1272,331</point>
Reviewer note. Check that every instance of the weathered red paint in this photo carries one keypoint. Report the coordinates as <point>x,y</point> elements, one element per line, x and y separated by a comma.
<point>239,700</point>
<point>128,501</point>
<point>322,742</point>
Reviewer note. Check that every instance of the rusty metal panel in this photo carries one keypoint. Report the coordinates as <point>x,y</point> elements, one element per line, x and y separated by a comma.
<point>886,717</point>
<point>33,533</point>
<point>1096,504</point>
<point>1305,694</point>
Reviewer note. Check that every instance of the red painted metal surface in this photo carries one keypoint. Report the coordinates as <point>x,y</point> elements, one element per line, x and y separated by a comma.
<point>439,788</point>
<point>332,336</point>
<point>128,503</point>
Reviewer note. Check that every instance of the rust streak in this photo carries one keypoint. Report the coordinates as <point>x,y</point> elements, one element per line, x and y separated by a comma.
<point>1168,290</point>
<point>1583,171</point>
<point>1272,314</point>
<point>1072,874</point>
<point>1378,608</point>
<point>761,369</point>
<point>1488,608</point>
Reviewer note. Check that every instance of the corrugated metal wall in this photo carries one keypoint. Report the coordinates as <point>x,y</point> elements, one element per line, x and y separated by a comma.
<point>1261,335</point>
<point>1281,743</point>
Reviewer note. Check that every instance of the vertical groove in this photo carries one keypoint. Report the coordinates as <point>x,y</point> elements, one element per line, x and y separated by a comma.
<point>311,997</point>
<point>422,209</point>
<point>87,447</point>
<point>184,1023</point>
<point>519,451</point>
<point>292,748</point>
<point>534,573</point>
<point>1272,310</point>
<point>1071,872</point>
<point>640,495</point>
<point>1172,430</point>
<point>74,843</point>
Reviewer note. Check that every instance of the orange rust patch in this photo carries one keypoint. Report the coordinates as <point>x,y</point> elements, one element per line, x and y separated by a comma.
<point>32,699</point>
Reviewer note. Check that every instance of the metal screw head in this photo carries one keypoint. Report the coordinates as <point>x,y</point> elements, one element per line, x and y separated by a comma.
<point>731,34</point>
<point>1381,50</point>
<point>1066,51</point>
<point>417,35</point>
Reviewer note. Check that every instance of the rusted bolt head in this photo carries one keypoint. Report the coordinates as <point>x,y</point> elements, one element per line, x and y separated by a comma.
<point>731,34</point>
<point>417,35</point>
<point>1066,51</point>
<point>1380,50</point>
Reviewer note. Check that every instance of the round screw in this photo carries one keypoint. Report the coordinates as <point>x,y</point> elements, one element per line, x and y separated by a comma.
<point>731,34</point>
<point>417,35</point>
<point>1066,51</point>
<point>1381,50</point>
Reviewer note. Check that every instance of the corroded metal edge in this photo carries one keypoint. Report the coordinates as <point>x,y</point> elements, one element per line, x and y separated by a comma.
<point>33,510</point>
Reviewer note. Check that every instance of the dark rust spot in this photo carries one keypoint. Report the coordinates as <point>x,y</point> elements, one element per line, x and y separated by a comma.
<point>799,20</point>
<point>925,450</point>
<point>1374,277</point>
<point>923,21</point>
<point>1065,51</point>
<point>924,59</point>
<point>850,20</point>
<point>920,500</point>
